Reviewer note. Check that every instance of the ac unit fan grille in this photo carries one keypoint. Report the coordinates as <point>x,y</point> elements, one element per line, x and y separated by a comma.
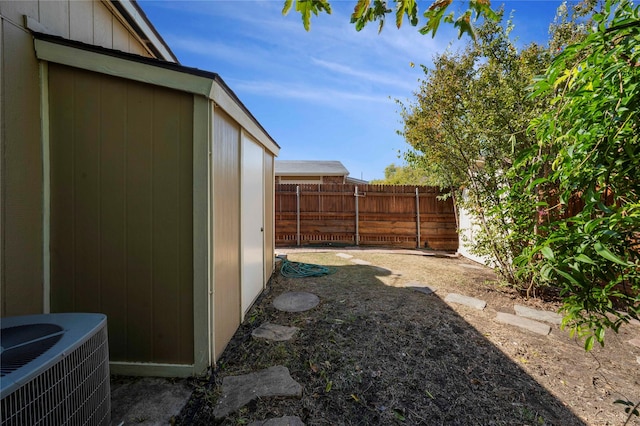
<point>74,391</point>
<point>24,343</point>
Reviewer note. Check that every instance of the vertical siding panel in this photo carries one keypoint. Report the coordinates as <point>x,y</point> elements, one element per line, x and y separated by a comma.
<point>21,175</point>
<point>120,36</point>
<point>86,181</point>
<point>14,10</point>
<point>61,119</point>
<point>112,212</point>
<point>55,16</point>
<point>81,20</point>
<point>140,297</point>
<point>268,215</point>
<point>102,26</point>
<point>185,235</point>
<point>136,47</point>
<point>226,240</point>
<point>3,289</point>
<point>165,239</point>
<point>167,210</point>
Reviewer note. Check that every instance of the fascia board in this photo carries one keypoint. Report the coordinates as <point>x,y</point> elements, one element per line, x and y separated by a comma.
<point>222,99</point>
<point>149,32</point>
<point>120,67</point>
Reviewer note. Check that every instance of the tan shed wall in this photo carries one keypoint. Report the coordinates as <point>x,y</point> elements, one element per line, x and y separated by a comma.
<point>226,231</point>
<point>269,224</point>
<point>122,211</point>
<point>88,21</point>
<point>20,174</point>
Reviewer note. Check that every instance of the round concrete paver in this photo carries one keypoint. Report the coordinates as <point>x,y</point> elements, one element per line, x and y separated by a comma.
<point>296,301</point>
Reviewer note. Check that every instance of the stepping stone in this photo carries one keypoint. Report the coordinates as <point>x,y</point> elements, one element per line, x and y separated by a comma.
<point>527,324</point>
<point>360,262</point>
<point>238,391</point>
<point>535,314</point>
<point>296,301</point>
<point>344,255</point>
<point>423,289</point>
<point>635,342</point>
<point>468,266</point>
<point>280,421</point>
<point>471,302</point>
<point>274,332</point>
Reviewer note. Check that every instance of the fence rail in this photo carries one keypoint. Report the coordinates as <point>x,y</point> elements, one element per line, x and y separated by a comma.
<point>383,215</point>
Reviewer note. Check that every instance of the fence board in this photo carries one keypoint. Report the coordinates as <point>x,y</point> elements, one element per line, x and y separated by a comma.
<point>386,216</point>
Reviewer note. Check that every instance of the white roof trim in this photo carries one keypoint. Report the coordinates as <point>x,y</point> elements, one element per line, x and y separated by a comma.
<point>144,25</point>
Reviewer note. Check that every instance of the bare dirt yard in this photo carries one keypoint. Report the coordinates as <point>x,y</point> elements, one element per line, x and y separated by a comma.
<point>376,352</point>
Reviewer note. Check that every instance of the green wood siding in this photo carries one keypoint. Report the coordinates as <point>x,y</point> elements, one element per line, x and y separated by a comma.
<point>122,211</point>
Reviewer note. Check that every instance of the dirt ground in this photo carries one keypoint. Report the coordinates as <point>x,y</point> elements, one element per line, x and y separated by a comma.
<point>374,352</point>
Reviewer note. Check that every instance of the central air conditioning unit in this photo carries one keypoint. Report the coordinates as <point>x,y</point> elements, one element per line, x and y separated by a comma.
<point>54,370</point>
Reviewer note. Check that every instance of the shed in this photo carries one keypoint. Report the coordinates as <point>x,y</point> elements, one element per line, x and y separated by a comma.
<point>154,193</point>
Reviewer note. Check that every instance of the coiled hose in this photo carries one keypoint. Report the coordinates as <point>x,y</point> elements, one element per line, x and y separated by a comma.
<point>303,270</point>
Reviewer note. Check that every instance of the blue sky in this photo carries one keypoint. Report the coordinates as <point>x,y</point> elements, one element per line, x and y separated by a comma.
<point>327,94</point>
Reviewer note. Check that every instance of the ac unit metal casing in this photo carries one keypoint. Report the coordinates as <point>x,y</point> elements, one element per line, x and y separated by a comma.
<point>55,370</point>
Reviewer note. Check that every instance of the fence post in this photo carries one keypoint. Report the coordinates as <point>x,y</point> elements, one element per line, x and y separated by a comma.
<point>298,214</point>
<point>417,218</point>
<point>357,218</point>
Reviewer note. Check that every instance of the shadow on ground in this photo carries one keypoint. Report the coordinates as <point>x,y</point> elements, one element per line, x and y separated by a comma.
<point>371,354</point>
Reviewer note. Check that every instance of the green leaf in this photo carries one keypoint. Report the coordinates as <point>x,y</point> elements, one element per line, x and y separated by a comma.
<point>434,15</point>
<point>463,24</point>
<point>398,414</point>
<point>483,8</point>
<point>408,7</point>
<point>545,272</point>
<point>607,254</point>
<point>585,259</point>
<point>567,276</point>
<point>287,6</point>
<point>328,387</point>
<point>590,226</point>
<point>359,10</point>
<point>547,252</point>
<point>588,344</point>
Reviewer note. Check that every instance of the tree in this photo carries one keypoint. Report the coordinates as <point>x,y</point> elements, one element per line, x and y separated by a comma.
<point>366,11</point>
<point>402,175</point>
<point>470,116</point>
<point>588,146</point>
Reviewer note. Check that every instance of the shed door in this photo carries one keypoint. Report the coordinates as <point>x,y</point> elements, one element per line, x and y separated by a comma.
<point>252,211</point>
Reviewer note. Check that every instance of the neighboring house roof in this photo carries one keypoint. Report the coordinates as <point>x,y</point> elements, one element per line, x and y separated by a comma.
<point>354,181</point>
<point>199,82</point>
<point>309,168</point>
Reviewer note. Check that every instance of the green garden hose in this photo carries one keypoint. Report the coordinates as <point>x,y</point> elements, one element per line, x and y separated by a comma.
<point>303,270</point>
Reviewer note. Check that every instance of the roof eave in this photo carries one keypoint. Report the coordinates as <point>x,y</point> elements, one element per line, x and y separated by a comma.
<point>137,22</point>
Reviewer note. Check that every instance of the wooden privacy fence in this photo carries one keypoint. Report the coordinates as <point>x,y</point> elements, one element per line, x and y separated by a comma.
<point>383,215</point>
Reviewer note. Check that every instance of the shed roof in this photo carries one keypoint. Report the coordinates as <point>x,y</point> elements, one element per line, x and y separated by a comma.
<point>310,168</point>
<point>135,67</point>
<point>144,29</point>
